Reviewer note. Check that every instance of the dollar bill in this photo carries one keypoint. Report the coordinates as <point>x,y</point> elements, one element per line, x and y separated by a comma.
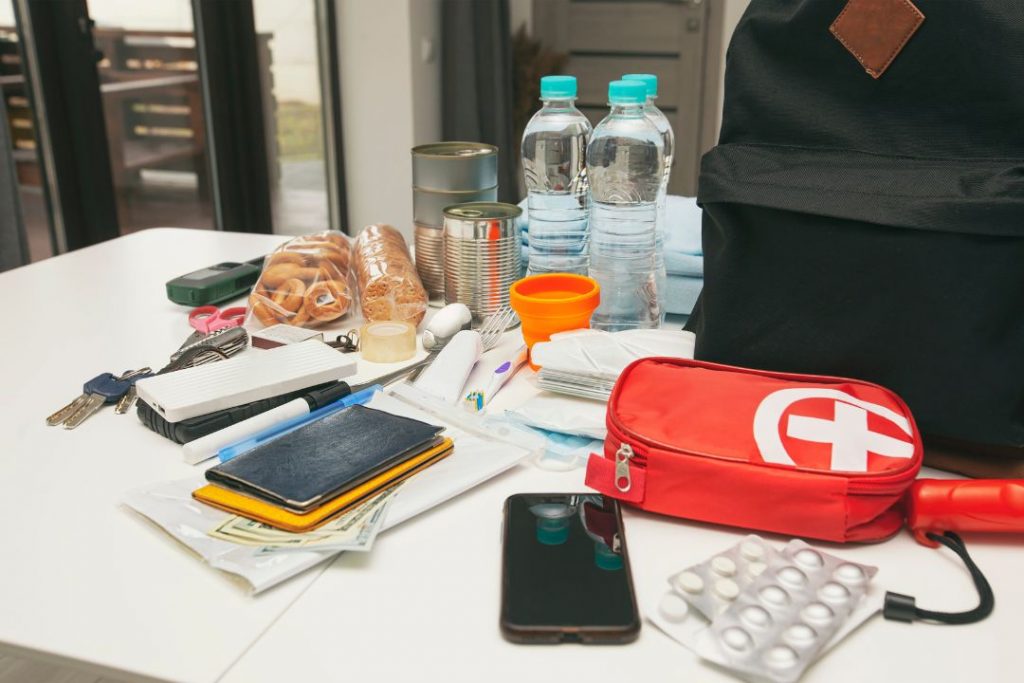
<point>354,530</point>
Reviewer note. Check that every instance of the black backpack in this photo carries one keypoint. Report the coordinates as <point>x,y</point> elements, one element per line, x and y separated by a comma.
<point>864,208</point>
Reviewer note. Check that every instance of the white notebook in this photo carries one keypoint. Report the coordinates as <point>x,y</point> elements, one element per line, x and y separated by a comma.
<point>251,376</point>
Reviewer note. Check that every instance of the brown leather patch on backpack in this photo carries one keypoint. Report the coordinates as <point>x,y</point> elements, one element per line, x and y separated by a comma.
<point>875,31</point>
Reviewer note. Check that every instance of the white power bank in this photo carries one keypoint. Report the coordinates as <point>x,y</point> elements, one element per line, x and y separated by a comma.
<point>245,378</point>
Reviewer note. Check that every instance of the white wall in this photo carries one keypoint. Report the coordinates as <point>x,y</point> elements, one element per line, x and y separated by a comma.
<point>391,101</point>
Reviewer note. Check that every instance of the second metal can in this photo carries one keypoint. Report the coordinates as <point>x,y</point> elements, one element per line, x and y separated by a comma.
<point>482,255</point>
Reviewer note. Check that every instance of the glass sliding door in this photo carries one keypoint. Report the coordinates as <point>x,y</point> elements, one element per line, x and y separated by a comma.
<point>298,115</point>
<point>210,114</point>
<point>151,90</point>
<point>32,220</point>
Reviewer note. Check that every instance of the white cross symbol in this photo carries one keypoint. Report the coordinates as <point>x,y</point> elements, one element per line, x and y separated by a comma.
<point>847,432</point>
<point>850,437</point>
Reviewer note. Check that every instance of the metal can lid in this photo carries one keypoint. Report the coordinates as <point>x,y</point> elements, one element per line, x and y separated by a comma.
<point>454,149</point>
<point>483,211</point>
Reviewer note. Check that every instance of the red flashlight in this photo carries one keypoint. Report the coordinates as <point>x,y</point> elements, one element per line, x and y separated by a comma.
<point>938,505</point>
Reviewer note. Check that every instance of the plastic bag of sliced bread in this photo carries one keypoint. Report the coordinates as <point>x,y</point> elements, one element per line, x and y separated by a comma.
<point>389,287</point>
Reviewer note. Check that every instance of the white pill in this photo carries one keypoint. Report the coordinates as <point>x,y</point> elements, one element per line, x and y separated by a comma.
<point>791,576</point>
<point>756,616</point>
<point>773,595</point>
<point>723,566</point>
<point>689,582</point>
<point>780,657</point>
<point>673,608</point>
<point>834,592</point>
<point>752,550</point>
<point>851,574</point>
<point>808,558</point>
<point>817,613</point>
<point>799,635</point>
<point>737,639</point>
<point>755,569</point>
<point>727,589</point>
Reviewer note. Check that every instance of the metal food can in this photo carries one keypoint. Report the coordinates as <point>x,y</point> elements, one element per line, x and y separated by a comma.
<point>455,166</point>
<point>428,205</point>
<point>429,248</point>
<point>482,255</point>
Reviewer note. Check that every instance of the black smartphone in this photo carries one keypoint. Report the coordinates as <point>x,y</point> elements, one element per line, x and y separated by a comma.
<point>565,571</point>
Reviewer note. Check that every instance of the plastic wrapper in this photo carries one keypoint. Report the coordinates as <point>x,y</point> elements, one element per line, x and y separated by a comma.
<point>562,414</point>
<point>306,282</point>
<point>484,447</point>
<point>389,286</point>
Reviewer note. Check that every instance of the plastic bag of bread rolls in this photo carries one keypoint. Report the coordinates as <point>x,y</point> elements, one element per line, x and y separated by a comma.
<point>389,287</point>
<point>305,282</point>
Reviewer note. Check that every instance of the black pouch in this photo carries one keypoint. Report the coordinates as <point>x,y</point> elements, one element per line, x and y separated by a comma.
<point>864,209</point>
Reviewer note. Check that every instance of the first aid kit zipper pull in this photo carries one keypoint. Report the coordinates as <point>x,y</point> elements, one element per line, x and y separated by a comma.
<point>623,482</point>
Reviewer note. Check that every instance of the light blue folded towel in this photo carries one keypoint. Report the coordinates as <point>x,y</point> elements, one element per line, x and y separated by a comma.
<point>682,293</point>
<point>683,255</point>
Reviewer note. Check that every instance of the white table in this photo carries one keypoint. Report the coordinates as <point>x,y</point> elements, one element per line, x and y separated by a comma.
<point>88,583</point>
<point>84,580</point>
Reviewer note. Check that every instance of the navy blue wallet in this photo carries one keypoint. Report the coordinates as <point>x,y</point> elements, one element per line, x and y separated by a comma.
<point>301,470</point>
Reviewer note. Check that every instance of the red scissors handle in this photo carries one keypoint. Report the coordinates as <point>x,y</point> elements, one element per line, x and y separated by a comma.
<point>208,319</point>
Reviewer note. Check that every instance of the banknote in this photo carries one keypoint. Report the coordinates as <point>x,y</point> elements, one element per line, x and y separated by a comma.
<point>356,529</point>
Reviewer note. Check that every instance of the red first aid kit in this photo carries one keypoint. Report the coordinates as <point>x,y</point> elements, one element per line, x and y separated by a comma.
<point>802,455</point>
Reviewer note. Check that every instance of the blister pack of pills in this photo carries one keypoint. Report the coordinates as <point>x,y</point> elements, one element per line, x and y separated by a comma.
<point>782,615</point>
<point>712,586</point>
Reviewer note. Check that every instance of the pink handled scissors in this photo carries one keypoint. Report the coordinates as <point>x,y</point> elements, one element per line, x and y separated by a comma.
<point>208,319</point>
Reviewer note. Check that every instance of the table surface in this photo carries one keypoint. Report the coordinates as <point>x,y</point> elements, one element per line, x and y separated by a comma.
<point>88,583</point>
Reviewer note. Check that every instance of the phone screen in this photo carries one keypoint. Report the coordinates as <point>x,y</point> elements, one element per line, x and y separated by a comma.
<point>566,573</point>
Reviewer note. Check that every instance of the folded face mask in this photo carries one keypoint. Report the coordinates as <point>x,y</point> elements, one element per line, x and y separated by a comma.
<point>565,451</point>
<point>596,352</point>
<point>562,414</point>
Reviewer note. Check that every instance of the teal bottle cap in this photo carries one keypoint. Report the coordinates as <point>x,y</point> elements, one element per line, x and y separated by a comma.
<point>557,87</point>
<point>649,80</point>
<point>627,92</point>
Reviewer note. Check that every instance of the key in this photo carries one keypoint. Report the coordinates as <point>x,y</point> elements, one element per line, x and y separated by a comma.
<point>99,391</point>
<point>66,412</point>
<point>132,395</point>
<point>127,401</point>
<point>70,409</point>
<point>62,415</point>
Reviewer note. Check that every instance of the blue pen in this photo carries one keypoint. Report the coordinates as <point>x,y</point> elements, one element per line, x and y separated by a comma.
<point>290,425</point>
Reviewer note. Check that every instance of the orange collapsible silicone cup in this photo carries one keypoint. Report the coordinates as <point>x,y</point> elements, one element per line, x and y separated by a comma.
<point>553,302</point>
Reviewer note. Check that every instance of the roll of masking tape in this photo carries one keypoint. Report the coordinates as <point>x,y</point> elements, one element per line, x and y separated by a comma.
<point>387,341</point>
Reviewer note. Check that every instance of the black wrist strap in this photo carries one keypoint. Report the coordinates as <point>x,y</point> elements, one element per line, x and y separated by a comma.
<point>900,607</point>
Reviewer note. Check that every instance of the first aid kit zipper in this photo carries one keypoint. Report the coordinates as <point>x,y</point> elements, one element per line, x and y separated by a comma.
<point>623,456</point>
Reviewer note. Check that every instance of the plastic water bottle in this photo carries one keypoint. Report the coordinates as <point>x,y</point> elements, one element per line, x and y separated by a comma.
<point>625,166</point>
<point>554,164</point>
<point>668,137</point>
